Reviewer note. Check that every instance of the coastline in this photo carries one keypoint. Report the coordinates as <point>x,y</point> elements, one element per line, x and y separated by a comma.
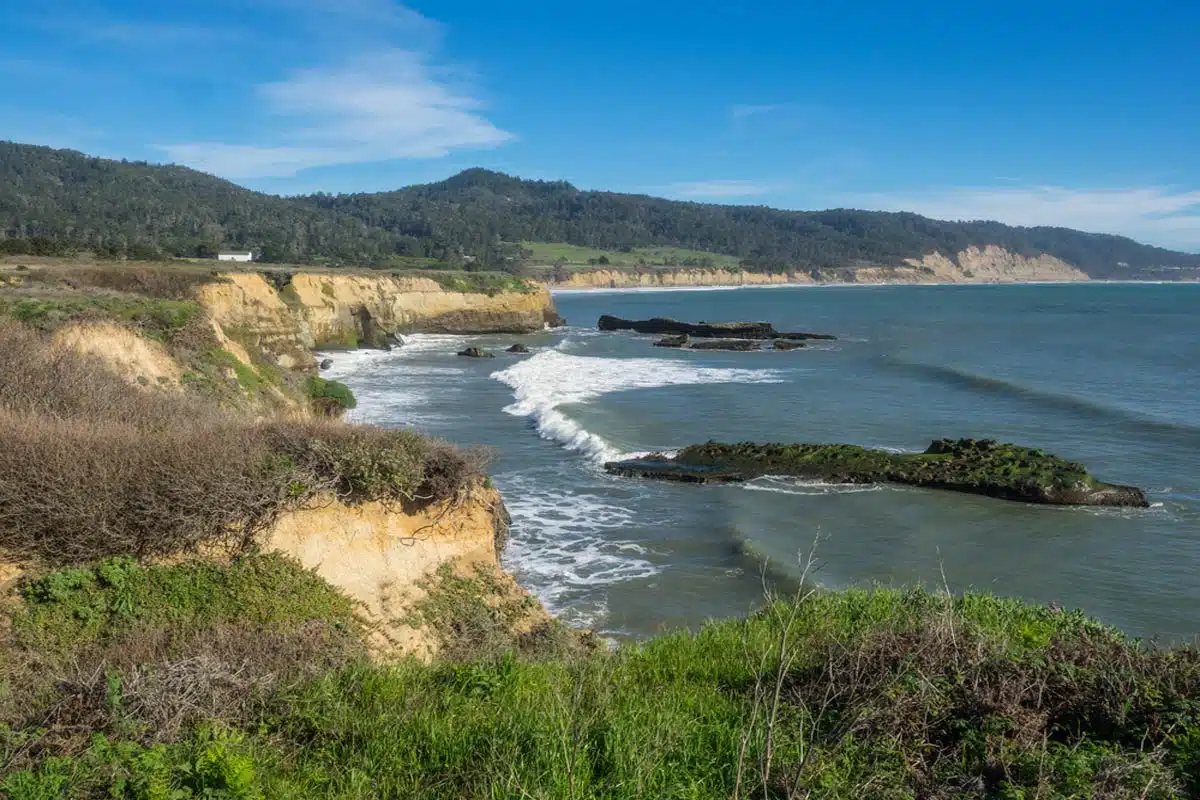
<point>554,290</point>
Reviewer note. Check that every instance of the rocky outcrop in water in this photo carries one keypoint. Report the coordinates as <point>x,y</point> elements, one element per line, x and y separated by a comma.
<point>673,341</point>
<point>477,352</point>
<point>1004,471</point>
<point>518,348</point>
<point>788,344</point>
<point>737,345</point>
<point>703,330</point>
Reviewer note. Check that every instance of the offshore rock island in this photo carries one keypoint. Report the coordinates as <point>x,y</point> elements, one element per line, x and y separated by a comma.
<point>1003,471</point>
<point>705,330</point>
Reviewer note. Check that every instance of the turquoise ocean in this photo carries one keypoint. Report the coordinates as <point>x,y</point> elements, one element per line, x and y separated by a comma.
<point>1107,374</point>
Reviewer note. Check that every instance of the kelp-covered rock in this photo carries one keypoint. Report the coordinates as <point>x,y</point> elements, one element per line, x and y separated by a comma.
<point>741,345</point>
<point>788,344</point>
<point>986,467</point>
<point>673,341</point>
<point>477,352</point>
<point>703,330</point>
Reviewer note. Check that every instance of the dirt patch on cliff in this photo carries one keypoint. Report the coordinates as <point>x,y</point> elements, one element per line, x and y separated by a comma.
<point>138,360</point>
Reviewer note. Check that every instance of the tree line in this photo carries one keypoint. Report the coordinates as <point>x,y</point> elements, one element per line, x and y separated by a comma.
<point>476,220</point>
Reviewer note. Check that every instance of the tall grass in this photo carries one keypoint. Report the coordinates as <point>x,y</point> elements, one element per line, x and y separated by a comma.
<point>880,694</point>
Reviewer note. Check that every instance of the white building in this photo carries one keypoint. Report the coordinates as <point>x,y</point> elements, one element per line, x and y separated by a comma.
<point>235,255</point>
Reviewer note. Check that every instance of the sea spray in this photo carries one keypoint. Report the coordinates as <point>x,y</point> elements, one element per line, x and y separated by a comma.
<point>552,379</point>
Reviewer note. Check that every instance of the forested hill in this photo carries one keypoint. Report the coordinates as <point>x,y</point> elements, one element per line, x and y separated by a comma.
<point>478,208</point>
<point>482,216</point>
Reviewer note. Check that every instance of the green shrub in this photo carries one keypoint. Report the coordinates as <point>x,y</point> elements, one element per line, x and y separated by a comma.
<point>71,608</point>
<point>837,694</point>
<point>363,462</point>
<point>155,318</point>
<point>489,283</point>
<point>330,397</point>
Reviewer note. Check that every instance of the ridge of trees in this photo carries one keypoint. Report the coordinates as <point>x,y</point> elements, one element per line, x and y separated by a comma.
<point>56,199</point>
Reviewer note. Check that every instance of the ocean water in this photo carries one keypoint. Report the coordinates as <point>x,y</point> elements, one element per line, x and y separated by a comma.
<point>1107,374</point>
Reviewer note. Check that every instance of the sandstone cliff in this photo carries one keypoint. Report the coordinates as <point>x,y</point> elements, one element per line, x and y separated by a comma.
<point>388,560</point>
<point>992,264</point>
<point>315,310</point>
<point>989,264</point>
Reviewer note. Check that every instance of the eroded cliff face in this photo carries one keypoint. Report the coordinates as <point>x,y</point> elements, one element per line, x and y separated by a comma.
<point>341,309</point>
<point>990,264</point>
<point>388,560</point>
<point>315,310</point>
<point>137,359</point>
<point>993,264</point>
<point>247,309</point>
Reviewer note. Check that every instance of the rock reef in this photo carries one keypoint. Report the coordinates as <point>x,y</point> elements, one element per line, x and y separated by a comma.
<point>738,345</point>
<point>704,330</point>
<point>986,467</point>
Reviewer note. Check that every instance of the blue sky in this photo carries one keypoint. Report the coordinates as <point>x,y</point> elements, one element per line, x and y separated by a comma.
<point>1064,113</point>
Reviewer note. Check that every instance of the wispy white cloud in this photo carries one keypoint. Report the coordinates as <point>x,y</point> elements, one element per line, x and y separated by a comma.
<point>386,12</point>
<point>742,111</point>
<point>106,29</point>
<point>158,34</point>
<point>719,189</point>
<point>381,106</point>
<point>1156,214</point>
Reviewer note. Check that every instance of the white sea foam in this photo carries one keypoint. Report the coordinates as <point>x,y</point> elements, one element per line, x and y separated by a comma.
<point>563,546</point>
<point>415,395</point>
<point>782,485</point>
<point>421,343</point>
<point>551,379</point>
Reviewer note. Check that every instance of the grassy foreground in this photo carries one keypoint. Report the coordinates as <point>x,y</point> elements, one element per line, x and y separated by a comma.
<point>853,694</point>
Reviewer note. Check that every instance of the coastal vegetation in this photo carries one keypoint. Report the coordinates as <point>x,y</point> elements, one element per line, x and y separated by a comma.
<point>52,201</point>
<point>330,397</point>
<point>576,256</point>
<point>1006,471</point>
<point>154,647</point>
<point>881,693</point>
<point>93,467</point>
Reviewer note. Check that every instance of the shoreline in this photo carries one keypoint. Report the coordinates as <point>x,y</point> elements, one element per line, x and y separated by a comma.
<point>554,290</point>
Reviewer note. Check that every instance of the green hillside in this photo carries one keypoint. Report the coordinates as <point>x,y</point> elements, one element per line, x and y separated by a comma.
<point>480,219</point>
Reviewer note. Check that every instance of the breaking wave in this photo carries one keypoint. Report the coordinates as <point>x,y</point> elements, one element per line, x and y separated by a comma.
<point>542,385</point>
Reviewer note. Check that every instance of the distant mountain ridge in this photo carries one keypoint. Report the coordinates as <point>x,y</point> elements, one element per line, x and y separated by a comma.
<point>480,216</point>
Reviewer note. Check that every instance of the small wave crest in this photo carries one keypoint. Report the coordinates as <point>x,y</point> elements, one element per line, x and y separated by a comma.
<point>784,485</point>
<point>564,545</point>
<point>405,396</point>
<point>552,379</point>
<point>986,384</point>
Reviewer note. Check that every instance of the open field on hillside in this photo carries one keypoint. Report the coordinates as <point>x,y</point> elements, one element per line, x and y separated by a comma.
<point>547,253</point>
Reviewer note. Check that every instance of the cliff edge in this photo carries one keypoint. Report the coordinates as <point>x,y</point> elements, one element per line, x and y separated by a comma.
<point>989,264</point>
<point>391,561</point>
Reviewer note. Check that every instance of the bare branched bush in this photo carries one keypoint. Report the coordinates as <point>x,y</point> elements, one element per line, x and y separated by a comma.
<point>75,490</point>
<point>154,685</point>
<point>947,697</point>
<point>366,462</point>
<point>58,382</point>
<point>92,467</point>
